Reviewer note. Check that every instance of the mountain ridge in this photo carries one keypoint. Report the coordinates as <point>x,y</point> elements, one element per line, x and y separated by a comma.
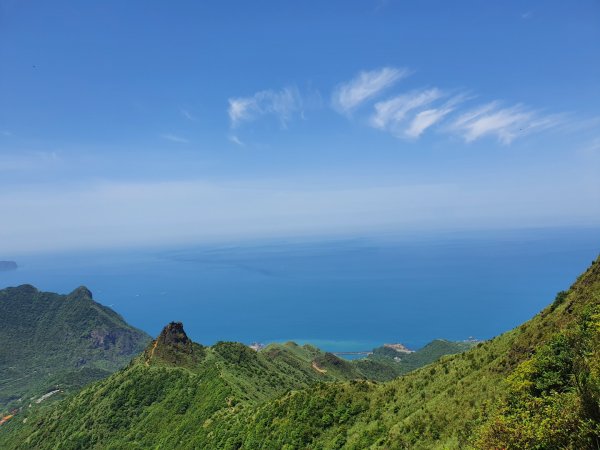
<point>62,341</point>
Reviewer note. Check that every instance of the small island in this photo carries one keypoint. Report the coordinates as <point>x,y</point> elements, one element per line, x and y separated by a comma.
<point>5,266</point>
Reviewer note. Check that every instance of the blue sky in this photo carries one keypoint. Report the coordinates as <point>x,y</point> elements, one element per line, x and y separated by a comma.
<point>137,123</point>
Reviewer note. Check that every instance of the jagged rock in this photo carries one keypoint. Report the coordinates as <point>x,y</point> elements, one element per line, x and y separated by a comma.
<point>173,334</point>
<point>172,346</point>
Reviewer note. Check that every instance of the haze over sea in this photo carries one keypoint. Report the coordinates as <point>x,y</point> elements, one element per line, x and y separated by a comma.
<point>344,294</point>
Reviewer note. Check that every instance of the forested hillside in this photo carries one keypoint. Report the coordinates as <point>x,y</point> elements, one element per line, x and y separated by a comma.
<point>173,386</point>
<point>58,343</point>
<point>386,363</point>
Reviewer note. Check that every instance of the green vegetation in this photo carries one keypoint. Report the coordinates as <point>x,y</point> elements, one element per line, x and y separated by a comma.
<point>386,363</point>
<point>174,392</point>
<point>553,399</point>
<point>58,342</point>
<point>535,387</point>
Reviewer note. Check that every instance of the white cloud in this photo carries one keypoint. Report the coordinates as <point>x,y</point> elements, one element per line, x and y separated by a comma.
<point>233,138</point>
<point>429,117</point>
<point>424,120</point>
<point>569,123</point>
<point>174,138</point>
<point>188,115</point>
<point>506,124</point>
<point>592,148</point>
<point>366,85</point>
<point>391,114</point>
<point>409,115</point>
<point>282,104</point>
<point>28,160</point>
<point>381,4</point>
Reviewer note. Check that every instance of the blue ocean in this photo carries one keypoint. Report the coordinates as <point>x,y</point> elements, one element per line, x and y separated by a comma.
<point>340,294</point>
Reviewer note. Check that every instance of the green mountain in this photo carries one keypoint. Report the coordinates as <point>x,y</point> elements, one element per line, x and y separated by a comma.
<point>387,363</point>
<point>57,343</point>
<point>534,387</point>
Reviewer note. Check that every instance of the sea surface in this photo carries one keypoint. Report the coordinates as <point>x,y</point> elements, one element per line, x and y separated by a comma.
<point>340,294</point>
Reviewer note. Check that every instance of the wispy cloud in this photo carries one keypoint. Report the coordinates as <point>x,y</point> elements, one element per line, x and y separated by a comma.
<point>592,148</point>
<point>381,4</point>
<point>429,117</point>
<point>30,160</point>
<point>366,85</point>
<point>409,115</point>
<point>282,104</point>
<point>506,124</point>
<point>188,115</point>
<point>569,123</point>
<point>5,133</point>
<point>174,138</point>
<point>233,138</point>
<point>424,120</point>
<point>391,114</point>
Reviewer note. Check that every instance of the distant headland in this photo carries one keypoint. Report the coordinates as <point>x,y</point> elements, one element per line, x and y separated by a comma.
<point>5,266</point>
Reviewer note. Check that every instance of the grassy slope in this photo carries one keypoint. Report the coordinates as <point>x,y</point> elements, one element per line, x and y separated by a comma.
<point>65,341</point>
<point>325,366</point>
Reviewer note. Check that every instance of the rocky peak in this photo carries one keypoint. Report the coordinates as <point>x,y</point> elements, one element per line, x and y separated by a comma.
<point>172,346</point>
<point>173,334</point>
